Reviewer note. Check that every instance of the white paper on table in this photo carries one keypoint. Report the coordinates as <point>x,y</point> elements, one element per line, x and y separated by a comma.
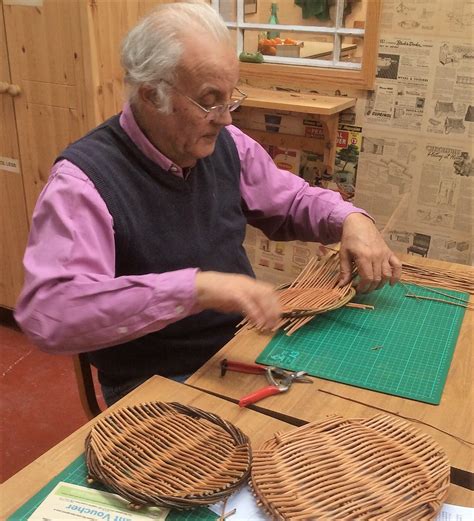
<point>248,510</point>
<point>244,503</point>
<point>455,513</point>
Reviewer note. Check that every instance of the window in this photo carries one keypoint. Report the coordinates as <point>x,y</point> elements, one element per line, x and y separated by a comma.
<point>332,40</point>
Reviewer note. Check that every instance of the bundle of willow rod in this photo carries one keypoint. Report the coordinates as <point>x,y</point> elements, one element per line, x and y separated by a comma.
<point>375,468</point>
<point>168,455</point>
<point>314,291</point>
<point>462,280</point>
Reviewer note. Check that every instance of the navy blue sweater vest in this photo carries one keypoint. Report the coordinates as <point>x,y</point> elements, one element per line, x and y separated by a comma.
<point>164,223</point>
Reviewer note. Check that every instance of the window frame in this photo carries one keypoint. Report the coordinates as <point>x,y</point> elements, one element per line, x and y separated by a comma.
<point>305,72</point>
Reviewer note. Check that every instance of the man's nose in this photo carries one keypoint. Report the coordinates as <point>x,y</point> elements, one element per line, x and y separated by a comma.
<point>222,118</point>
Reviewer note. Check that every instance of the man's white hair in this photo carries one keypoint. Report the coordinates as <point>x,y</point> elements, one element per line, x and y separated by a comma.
<point>151,51</point>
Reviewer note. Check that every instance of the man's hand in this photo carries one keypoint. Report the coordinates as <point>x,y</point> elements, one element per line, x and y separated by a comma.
<point>228,293</point>
<point>362,243</point>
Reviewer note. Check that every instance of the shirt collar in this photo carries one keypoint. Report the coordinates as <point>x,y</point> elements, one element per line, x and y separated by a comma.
<point>134,132</point>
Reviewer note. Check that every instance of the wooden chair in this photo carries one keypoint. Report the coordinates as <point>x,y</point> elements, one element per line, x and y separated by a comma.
<point>85,385</point>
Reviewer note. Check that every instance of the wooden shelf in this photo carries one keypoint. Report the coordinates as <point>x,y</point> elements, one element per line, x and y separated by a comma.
<point>296,101</point>
<point>325,108</point>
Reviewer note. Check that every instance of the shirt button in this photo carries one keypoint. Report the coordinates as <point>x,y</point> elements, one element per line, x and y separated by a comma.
<point>179,309</point>
<point>122,330</point>
<point>174,169</point>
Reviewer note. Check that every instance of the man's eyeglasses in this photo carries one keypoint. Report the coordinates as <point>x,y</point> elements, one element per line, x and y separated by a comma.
<point>216,111</point>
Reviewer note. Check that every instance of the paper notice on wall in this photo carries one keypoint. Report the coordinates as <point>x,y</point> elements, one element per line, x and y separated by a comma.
<point>450,108</point>
<point>349,140</point>
<point>428,17</point>
<point>10,164</point>
<point>286,158</point>
<point>403,73</point>
<point>313,169</point>
<point>278,262</point>
<point>24,3</point>
<point>443,199</point>
<point>425,194</point>
<point>386,168</point>
<point>274,121</point>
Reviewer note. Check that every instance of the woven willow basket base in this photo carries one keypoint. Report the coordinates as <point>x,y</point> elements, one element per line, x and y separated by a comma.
<point>379,468</point>
<point>168,455</point>
<point>315,290</point>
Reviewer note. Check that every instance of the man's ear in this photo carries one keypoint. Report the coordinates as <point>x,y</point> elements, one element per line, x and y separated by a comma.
<point>147,96</point>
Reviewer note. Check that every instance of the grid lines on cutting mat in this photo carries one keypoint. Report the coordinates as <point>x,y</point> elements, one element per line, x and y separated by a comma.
<point>403,347</point>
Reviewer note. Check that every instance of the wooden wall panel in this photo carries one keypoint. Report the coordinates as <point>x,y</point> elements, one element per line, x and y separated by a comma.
<point>50,130</point>
<point>108,22</point>
<point>13,236</point>
<point>13,220</point>
<point>45,50</point>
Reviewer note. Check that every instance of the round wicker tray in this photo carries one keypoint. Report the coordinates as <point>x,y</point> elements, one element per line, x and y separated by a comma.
<point>168,455</point>
<point>378,468</point>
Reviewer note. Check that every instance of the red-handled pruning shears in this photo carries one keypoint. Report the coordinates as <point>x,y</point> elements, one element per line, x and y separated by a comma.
<point>279,379</point>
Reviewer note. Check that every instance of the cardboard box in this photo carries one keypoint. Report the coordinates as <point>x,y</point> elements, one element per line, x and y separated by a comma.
<point>289,51</point>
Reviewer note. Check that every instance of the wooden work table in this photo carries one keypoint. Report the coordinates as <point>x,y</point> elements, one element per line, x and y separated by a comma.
<point>259,427</point>
<point>309,402</point>
<point>304,402</point>
<point>28,481</point>
<point>324,50</point>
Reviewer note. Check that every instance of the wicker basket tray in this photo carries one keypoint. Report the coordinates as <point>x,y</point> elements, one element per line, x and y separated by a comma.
<point>168,455</point>
<point>314,291</point>
<point>379,468</point>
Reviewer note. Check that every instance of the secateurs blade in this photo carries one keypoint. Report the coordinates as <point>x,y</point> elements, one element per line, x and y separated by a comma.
<point>279,379</point>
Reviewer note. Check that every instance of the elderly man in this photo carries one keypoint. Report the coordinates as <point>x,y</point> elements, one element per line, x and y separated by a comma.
<point>135,254</point>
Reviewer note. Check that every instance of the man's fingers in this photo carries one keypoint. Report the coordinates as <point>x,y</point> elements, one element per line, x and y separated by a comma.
<point>230,293</point>
<point>396,270</point>
<point>267,314</point>
<point>251,312</point>
<point>376,263</point>
<point>261,307</point>
<point>345,267</point>
<point>366,275</point>
<point>387,270</point>
<point>386,274</point>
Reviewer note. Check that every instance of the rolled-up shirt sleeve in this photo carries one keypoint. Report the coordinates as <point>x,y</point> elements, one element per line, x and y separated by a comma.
<point>281,204</point>
<point>71,300</point>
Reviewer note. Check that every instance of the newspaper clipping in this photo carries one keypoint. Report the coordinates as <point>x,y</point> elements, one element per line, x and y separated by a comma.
<point>428,17</point>
<point>388,166</point>
<point>403,69</point>
<point>425,201</point>
<point>451,107</point>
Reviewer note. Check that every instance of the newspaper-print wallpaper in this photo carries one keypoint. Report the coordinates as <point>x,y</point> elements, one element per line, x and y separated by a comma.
<point>418,129</point>
<point>406,150</point>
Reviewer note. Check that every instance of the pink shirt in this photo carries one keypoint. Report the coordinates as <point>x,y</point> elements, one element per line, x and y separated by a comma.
<point>71,300</point>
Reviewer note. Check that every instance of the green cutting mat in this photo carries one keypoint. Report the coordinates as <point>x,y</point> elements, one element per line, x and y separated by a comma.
<point>76,473</point>
<point>402,347</point>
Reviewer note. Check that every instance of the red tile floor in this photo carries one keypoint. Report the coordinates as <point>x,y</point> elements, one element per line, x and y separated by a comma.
<point>39,401</point>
